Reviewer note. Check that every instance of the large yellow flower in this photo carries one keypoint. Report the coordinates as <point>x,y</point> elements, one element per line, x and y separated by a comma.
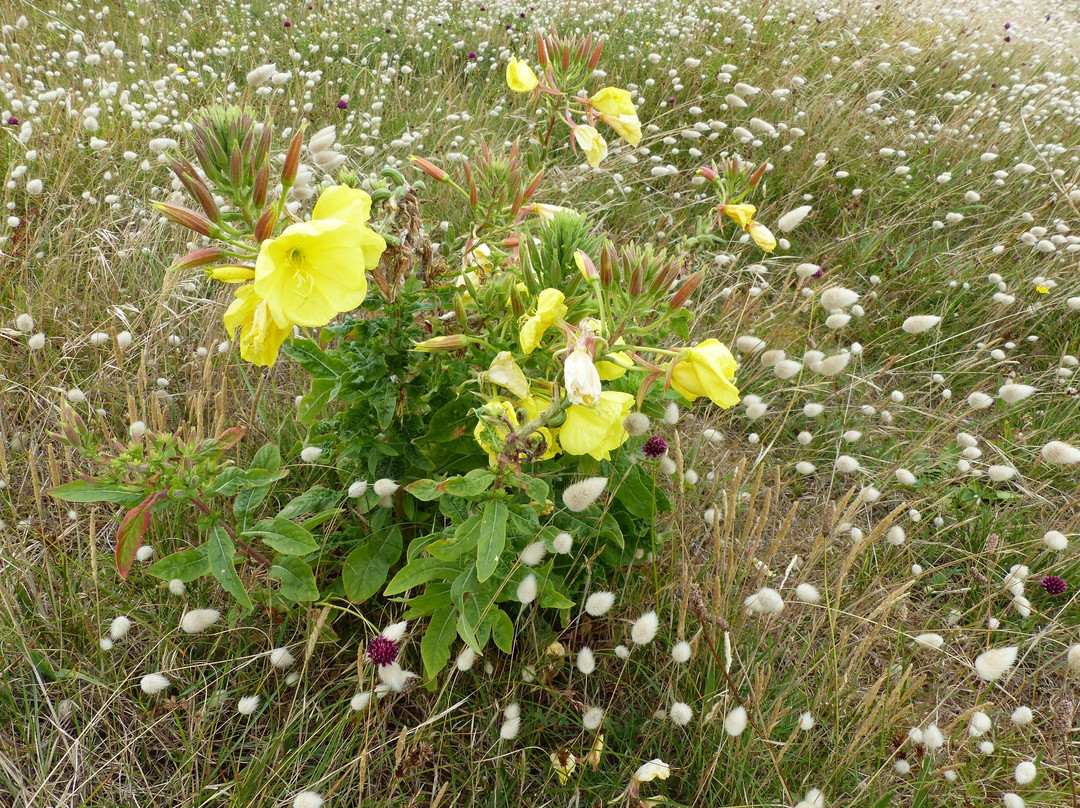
<point>592,143</point>
<point>618,111</point>
<point>504,371</point>
<point>614,364</point>
<point>707,369</point>
<point>596,430</point>
<point>260,335</point>
<point>549,308</point>
<point>315,270</point>
<point>519,76</point>
<point>534,407</point>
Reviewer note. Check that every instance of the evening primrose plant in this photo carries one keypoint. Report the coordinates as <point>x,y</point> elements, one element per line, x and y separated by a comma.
<point>479,435</point>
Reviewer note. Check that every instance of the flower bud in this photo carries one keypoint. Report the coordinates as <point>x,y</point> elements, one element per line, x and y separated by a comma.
<point>756,178</point>
<point>429,168</point>
<point>459,310</point>
<point>262,182</point>
<point>594,59</point>
<point>199,258</point>
<point>232,274</point>
<point>447,342</point>
<point>586,266</point>
<point>187,218</point>
<point>636,281</point>
<point>541,50</point>
<point>474,197</point>
<point>265,225</point>
<point>258,159</point>
<point>708,173</point>
<point>292,159</point>
<point>534,183</point>
<point>687,289</point>
<point>607,264</point>
<point>236,167</point>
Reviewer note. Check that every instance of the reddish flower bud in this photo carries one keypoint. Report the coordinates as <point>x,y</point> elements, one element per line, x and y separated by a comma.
<point>262,182</point>
<point>429,168</point>
<point>541,50</point>
<point>264,227</point>
<point>199,258</point>
<point>187,218</point>
<point>687,289</point>
<point>756,178</point>
<point>292,159</point>
<point>708,173</point>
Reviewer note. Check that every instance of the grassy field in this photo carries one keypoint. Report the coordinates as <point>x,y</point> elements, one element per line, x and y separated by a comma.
<point>939,155</point>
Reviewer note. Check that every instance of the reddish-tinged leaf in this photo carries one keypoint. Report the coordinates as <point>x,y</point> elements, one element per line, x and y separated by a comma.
<point>230,437</point>
<point>129,536</point>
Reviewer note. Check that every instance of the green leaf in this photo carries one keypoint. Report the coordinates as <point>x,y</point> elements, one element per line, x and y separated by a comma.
<point>464,540</point>
<point>284,536</point>
<point>260,477</point>
<point>297,579</point>
<point>419,572</point>
<point>82,491</point>
<point>465,631</point>
<point>268,457</point>
<point>492,539</point>
<point>435,647</point>
<point>322,392</point>
<point>384,401</point>
<point>246,502</point>
<point>316,498</point>
<point>551,597</point>
<point>472,484</point>
<point>42,664</point>
<point>502,629</point>
<point>366,567</point>
<point>448,423</point>
<point>221,555</point>
<point>226,483</point>
<point>436,596</point>
<point>187,565</point>
<point>321,517</point>
<point>314,359</point>
<point>424,490</point>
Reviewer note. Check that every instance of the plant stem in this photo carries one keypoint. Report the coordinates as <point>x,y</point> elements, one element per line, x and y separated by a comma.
<point>242,545</point>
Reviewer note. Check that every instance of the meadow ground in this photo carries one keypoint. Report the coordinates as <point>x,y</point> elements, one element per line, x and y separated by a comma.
<point>894,480</point>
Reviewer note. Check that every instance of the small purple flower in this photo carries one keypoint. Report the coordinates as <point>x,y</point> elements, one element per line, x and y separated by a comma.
<point>342,104</point>
<point>654,448</point>
<point>12,121</point>
<point>1054,585</point>
<point>288,24</point>
<point>671,100</point>
<point>382,651</point>
<point>819,274</point>
<point>472,54</point>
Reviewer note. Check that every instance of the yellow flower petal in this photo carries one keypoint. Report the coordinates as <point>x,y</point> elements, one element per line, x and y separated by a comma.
<point>549,309</point>
<point>260,336</point>
<point>743,214</point>
<point>708,369</point>
<point>520,77</point>
<point>762,236</point>
<point>504,371</point>
<point>350,205</point>
<point>596,430</point>
<point>592,143</point>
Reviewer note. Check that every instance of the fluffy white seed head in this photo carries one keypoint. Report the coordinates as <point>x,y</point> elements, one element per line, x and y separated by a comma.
<point>257,78</point>
<point>1025,772</point>
<point>307,799</point>
<point>792,219</point>
<point>807,593</point>
<point>1057,451</point>
<point>992,664</point>
<point>527,589</point>
<point>119,627</point>
<point>153,683</point>
<point>360,701</point>
<point>680,713</point>
<point>735,722</point>
<point>586,661</point>
<point>358,489</point>
<point>1012,393</point>
<point>385,487</point>
<point>580,495</point>
<point>562,543</point>
<point>979,401</point>
<point>1055,540</point>
<point>806,721</point>
<point>248,705</point>
<point>920,323</point>
<point>593,718</point>
<point>198,620</point>
<point>681,652</point>
<point>905,477</point>
<point>980,724</point>
<point>644,629</point>
<point>1022,716</point>
<point>1073,659</point>
<point>765,601</point>
<point>1012,800</point>
<point>280,658</point>
<point>534,554</point>
<point>929,640</point>
<point>466,659</point>
<point>839,297</point>
<point>933,738</point>
<point>309,454</point>
<point>599,603</point>
<point>177,588</point>
<point>636,423</point>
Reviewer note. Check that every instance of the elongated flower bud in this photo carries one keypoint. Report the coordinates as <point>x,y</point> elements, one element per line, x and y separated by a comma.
<point>197,188</point>
<point>607,264</point>
<point>429,168</point>
<point>262,182</point>
<point>687,289</point>
<point>199,258</point>
<point>708,173</point>
<point>447,342</point>
<point>264,227</point>
<point>232,273</point>
<point>262,151</point>
<point>187,218</point>
<point>292,158</point>
<point>519,199</point>
<point>534,183</point>
<point>474,196</point>
<point>541,50</point>
<point>636,281</point>
<point>236,167</point>
<point>459,310</point>
<point>594,60</point>
<point>756,178</point>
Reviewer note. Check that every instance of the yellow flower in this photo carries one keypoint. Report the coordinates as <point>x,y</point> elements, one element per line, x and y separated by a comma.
<point>549,308</point>
<point>614,365</point>
<point>314,270</point>
<point>519,76</point>
<point>743,214</point>
<point>505,372</point>
<point>496,420</point>
<point>1042,290</point>
<point>761,235</point>
<point>596,430</point>
<point>707,369</point>
<point>581,379</point>
<point>618,111</point>
<point>592,143</point>
<point>232,274</point>
<point>547,213</point>
<point>260,335</point>
<point>534,407</point>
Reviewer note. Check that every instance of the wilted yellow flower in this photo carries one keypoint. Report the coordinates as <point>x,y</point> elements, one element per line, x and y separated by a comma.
<point>743,214</point>
<point>708,369</point>
<point>520,77</point>
<point>597,750</point>
<point>564,764</point>
<point>618,111</point>
<point>504,371</point>
<point>497,419</point>
<point>549,308</point>
<point>534,406</point>
<point>596,430</point>
<point>654,769</point>
<point>315,270</point>
<point>762,236</point>
<point>260,335</point>
<point>592,143</point>
<point>580,378</point>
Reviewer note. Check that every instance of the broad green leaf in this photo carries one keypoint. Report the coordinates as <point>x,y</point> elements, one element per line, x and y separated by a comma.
<point>502,629</point>
<point>316,498</point>
<point>448,423</point>
<point>419,572</point>
<point>187,565</point>
<point>226,483</point>
<point>435,596</point>
<point>435,647</point>
<point>366,567</point>
<point>492,539</point>
<point>314,359</point>
<point>464,540</point>
<point>268,457</point>
<point>247,502</point>
<point>81,491</point>
<point>551,597</point>
<point>284,536</point>
<point>424,490</point>
<point>322,392</point>
<point>297,579</point>
<point>258,477</point>
<point>221,555</point>
<point>466,632</point>
<point>472,484</point>
<point>321,517</point>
